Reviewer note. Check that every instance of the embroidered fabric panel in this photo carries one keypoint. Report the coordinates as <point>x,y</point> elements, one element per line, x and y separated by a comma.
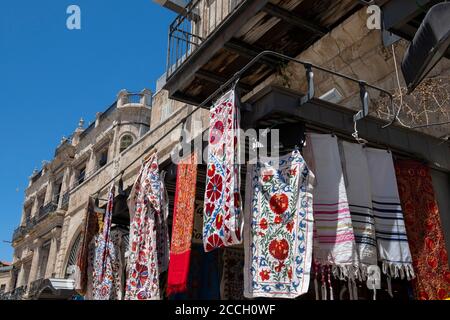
<point>223,213</point>
<point>423,226</point>
<point>183,222</point>
<point>278,229</point>
<point>106,280</point>
<point>147,255</point>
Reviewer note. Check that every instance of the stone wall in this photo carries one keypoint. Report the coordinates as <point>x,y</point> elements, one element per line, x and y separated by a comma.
<point>352,49</point>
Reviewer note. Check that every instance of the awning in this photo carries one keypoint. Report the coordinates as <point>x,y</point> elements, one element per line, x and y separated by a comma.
<point>53,289</point>
<point>430,43</point>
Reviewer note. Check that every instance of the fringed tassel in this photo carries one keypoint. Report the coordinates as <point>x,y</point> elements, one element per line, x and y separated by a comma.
<point>389,284</point>
<point>329,283</point>
<point>324,285</point>
<point>316,284</point>
<point>398,270</point>
<point>355,290</point>
<point>350,289</point>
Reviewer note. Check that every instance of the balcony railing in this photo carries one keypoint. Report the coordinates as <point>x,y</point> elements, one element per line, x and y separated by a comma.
<point>46,210</point>
<point>65,200</point>
<point>35,286</point>
<point>30,222</point>
<point>188,31</point>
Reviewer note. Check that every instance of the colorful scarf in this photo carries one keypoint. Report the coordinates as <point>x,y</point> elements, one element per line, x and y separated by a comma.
<point>106,265</point>
<point>223,213</point>
<point>392,241</point>
<point>183,221</point>
<point>232,284</point>
<point>89,231</point>
<point>278,228</point>
<point>148,234</point>
<point>423,226</point>
<point>334,240</point>
<point>356,171</point>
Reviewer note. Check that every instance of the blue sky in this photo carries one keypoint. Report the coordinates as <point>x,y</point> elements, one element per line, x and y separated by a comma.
<point>51,76</point>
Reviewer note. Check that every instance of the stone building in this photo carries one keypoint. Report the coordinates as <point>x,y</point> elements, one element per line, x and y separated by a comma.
<point>223,37</point>
<point>5,269</point>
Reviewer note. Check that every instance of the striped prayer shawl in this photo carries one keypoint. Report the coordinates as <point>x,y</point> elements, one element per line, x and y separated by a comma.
<point>356,172</point>
<point>334,239</point>
<point>392,241</point>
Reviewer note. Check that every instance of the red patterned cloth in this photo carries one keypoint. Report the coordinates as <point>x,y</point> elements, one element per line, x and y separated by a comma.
<point>423,226</point>
<point>183,222</point>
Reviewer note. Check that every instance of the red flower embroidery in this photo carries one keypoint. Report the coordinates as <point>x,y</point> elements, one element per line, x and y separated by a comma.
<point>423,296</point>
<point>290,226</point>
<point>293,172</point>
<point>209,208</point>
<point>279,203</point>
<point>279,249</point>
<point>265,275</point>
<point>429,243</point>
<point>279,267</point>
<point>214,188</point>
<point>432,262</point>
<point>290,273</point>
<point>442,294</point>
<point>211,170</point>
<point>277,220</point>
<point>263,224</point>
<point>216,132</point>
<point>214,241</point>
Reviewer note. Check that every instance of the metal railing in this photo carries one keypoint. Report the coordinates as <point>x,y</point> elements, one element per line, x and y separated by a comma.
<point>35,286</point>
<point>30,222</point>
<point>189,29</point>
<point>46,210</point>
<point>65,200</point>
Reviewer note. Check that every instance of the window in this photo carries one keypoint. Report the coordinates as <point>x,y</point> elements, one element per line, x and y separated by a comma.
<point>27,214</point>
<point>57,191</point>
<point>125,142</point>
<point>81,174</point>
<point>102,158</point>
<point>72,261</point>
<point>2,288</point>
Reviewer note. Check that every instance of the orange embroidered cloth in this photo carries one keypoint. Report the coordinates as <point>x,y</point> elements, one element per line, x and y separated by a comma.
<point>423,226</point>
<point>183,221</point>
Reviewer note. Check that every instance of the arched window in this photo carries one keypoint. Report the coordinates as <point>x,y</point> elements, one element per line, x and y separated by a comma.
<point>72,261</point>
<point>125,142</point>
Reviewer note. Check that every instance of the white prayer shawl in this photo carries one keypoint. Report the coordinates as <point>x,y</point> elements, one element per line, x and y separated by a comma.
<point>392,241</point>
<point>356,173</point>
<point>334,240</point>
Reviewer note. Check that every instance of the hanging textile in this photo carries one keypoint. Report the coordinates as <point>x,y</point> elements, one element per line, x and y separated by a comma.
<point>148,238</point>
<point>423,226</point>
<point>223,212</point>
<point>232,284</point>
<point>88,233</point>
<point>334,239</point>
<point>392,241</point>
<point>203,283</point>
<point>278,228</point>
<point>356,172</point>
<point>106,264</point>
<point>183,222</point>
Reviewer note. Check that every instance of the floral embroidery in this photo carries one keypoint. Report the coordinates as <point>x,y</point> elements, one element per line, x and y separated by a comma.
<point>223,213</point>
<point>278,228</point>
<point>149,240</point>
<point>423,226</point>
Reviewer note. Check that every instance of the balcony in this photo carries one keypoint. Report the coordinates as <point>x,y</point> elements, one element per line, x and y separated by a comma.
<point>212,40</point>
<point>31,222</point>
<point>130,99</point>
<point>46,210</point>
